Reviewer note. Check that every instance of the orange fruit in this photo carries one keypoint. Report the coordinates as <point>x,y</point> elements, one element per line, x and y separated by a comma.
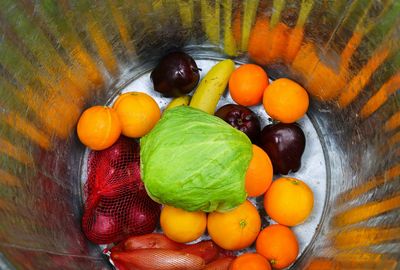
<point>279,245</point>
<point>247,84</point>
<point>289,201</point>
<point>259,173</point>
<point>250,261</point>
<point>235,229</point>
<point>182,226</point>
<point>285,100</point>
<point>99,127</point>
<point>138,113</point>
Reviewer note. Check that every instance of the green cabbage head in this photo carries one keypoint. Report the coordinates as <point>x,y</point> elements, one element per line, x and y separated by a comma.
<point>195,161</point>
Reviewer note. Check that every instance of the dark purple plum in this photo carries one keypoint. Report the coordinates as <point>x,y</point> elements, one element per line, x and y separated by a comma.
<point>284,144</point>
<point>175,75</point>
<point>241,118</point>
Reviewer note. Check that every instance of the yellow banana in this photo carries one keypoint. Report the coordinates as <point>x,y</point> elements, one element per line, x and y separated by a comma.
<point>212,86</point>
<point>179,101</point>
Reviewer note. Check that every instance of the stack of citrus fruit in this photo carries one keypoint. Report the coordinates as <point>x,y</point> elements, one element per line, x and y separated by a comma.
<point>236,229</point>
<point>247,84</point>
<point>288,201</point>
<point>278,244</point>
<point>138,113</point>
<point>134,114</point>
<point>285,101</point>
<point>250,261</point>
<point>259,173</point>
<point>182,226</point>
<point>99,127</point>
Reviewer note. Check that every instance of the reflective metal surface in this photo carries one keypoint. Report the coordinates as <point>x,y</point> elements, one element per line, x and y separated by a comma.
<point>59,57</point>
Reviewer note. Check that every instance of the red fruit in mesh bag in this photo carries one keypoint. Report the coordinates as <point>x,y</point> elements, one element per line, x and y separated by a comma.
<point>117,204</point>
<point>114,166</point>
<point>117,217</point>
<point>143,214</point>
<point>101,227</point>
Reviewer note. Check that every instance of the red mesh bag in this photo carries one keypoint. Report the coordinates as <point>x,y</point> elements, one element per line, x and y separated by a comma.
<point>117,204</point>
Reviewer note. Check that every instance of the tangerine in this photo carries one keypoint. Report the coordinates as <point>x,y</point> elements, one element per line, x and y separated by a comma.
<point>138,113</point>
<point>259,173</point>
<point>289,201</point>
<point>250,261</point>
<point>182,226</point>
<point>247,84</point>
<point>99,127</point>
<point>285,100</point>
<point>279,245</point>
<point>235,229</point>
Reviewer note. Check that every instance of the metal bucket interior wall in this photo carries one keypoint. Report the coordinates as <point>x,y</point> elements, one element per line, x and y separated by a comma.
<point>59,57</point>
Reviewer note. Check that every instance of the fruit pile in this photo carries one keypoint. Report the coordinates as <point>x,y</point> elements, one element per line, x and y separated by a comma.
<point>276,151</point>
